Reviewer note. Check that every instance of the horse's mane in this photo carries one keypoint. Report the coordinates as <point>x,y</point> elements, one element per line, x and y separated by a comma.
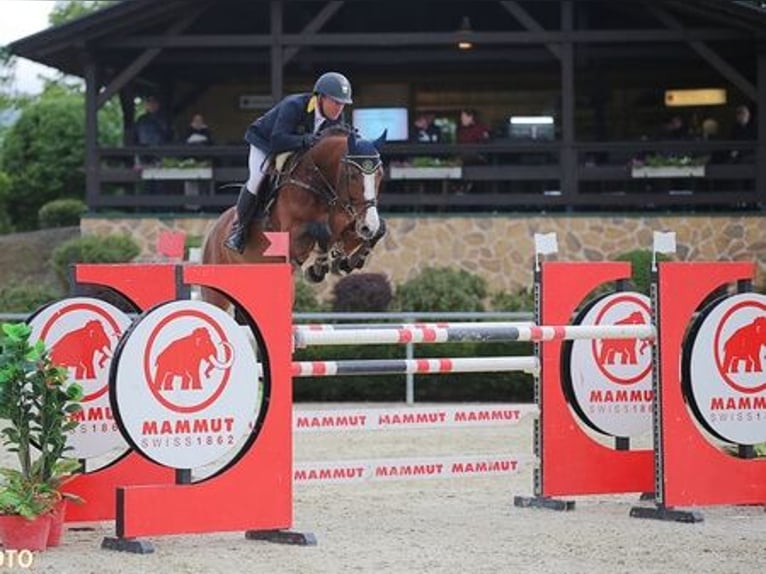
<point>337,130</point>
<point>361,145</point>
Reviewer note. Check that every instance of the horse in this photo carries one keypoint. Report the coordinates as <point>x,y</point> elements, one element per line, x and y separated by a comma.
<point>325,198</point>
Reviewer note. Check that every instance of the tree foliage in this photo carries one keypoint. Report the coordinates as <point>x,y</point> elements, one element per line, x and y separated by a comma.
<point>68,10</point>
<point>43,153</point>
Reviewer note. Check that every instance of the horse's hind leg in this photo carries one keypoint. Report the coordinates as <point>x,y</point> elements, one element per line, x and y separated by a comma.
<point>215,297</point>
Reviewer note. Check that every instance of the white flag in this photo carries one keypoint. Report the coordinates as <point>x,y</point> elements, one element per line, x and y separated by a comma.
<point>546,243</point>
<point>665,242</point>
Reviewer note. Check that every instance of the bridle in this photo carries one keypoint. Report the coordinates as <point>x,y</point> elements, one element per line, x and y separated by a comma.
<point>319,184</point>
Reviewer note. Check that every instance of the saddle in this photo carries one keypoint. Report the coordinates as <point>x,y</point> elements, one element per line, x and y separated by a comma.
<point>278,167</point>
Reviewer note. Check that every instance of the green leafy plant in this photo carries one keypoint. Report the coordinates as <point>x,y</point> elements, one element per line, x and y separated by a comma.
<point>93,249</point>
<point>641,265</point>
<point>183,163</point>
<point>522,300</point>
<point>670,161</point>
<point>61,213</point>
<point>437,289</point>
<point>425,161</point>
<point>38,403</point>
<point>305,299</point>
<point>25,297</point>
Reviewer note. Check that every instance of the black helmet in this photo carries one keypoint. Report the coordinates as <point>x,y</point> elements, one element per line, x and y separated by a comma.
<point>335,86</point>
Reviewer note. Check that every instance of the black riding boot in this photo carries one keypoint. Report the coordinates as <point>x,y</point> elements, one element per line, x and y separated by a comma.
<point>247,204</point>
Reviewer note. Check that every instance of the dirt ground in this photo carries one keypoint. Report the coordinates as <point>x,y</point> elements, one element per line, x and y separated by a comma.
<point>441,525</point>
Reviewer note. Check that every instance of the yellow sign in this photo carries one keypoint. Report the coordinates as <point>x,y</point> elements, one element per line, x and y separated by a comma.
<point>701,97</point>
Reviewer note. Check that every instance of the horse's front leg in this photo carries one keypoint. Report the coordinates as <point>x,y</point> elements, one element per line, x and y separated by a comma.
<point>320,235</point>
<point>359,257</point>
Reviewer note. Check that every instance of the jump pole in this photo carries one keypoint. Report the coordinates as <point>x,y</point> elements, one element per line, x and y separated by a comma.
<point>483,332</point>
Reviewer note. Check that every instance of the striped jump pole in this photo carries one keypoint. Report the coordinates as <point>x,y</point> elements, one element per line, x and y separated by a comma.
<point>414,366</point>
<point>419,325</point>
<point>469,332</point>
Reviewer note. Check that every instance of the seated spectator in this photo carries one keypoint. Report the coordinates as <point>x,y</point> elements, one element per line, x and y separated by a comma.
<point>709,129</point>
<point>743,129</point>
<point>470,130</point>
<point>198,133</point>
<point>709,132</point>
<point>425,130</point>
<point>674,129</point>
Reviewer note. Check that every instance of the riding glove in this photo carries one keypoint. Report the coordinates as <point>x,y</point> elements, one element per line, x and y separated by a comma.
<point>309,140</point>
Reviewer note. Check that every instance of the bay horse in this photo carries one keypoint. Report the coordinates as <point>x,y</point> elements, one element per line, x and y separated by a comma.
<point>325,198</point>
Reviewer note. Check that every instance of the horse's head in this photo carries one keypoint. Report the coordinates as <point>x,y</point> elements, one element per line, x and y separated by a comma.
<point>358,182</point>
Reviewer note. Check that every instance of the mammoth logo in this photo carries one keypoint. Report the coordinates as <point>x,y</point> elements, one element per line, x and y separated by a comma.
<point>183,359</point>
<point>80,348</point>
<point>623,349</point>
<point>744,346</point>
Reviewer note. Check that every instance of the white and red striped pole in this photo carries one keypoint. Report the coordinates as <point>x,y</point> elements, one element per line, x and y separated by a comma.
<point>476,332</point>
<point>414,366</point>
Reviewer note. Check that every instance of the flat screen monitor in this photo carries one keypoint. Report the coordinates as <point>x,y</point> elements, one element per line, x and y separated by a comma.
<point>531,128</point>
<point>372,121</point>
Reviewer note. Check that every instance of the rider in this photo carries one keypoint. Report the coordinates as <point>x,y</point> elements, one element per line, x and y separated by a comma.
<point>290,125</point>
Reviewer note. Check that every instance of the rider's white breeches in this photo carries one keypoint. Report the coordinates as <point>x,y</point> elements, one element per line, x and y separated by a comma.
<point>255,165</point>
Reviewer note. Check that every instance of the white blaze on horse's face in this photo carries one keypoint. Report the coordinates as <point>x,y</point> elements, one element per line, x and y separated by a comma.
<point>369,226</point>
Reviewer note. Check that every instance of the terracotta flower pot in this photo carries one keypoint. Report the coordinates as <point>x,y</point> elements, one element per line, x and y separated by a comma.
<point>57,523</point>
<point>19,533</point>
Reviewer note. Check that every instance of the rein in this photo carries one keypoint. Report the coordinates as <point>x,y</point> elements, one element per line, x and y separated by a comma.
<point>366,164</point>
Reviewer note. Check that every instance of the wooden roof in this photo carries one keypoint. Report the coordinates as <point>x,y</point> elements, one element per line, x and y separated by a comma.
<point>228,40</point>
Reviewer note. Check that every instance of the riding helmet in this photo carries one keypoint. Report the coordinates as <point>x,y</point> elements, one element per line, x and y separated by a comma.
<point>335,86</point>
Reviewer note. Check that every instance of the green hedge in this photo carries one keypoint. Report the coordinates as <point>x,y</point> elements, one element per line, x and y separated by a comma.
<point>61,213</point>
<point>93,249</point>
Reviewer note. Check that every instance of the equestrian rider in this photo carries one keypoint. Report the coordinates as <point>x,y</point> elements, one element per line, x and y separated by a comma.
<point>290,125</point>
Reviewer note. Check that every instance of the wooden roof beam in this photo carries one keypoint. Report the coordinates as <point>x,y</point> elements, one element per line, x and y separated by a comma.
<point>708,54</point>
<point>137,13</point>
<point>325,14</point>
<point>135,67</point>
<point>529,23</point>
<point>652,35</point>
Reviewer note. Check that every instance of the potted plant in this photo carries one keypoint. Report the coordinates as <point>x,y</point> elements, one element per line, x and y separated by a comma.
<point>36,401</point>
<point>669,166</point>
<point>176,168</point>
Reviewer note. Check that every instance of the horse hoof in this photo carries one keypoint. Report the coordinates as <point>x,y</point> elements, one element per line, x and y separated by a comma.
<point>314,275</point>
<point>344,266</point>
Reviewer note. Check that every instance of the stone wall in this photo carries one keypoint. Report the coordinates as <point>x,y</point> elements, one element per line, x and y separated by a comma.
<point>500,248</point>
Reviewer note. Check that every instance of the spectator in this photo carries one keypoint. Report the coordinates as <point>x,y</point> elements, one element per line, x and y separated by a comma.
<point>743,129</point>
<point>709,129</point>
<point>674,129</point>
<point>198,133</point>
<point>709,132</point>
<point>470,129</point>
<point>152,129</point>
<point>426,131</point>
